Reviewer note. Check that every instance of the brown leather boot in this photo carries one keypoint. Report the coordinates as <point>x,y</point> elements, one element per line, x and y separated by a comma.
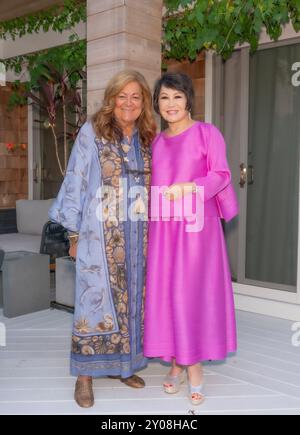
<point>84,395</point>
<point>133,381</point>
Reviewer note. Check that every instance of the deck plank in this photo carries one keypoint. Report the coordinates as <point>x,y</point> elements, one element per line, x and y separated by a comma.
<point>262,378</point>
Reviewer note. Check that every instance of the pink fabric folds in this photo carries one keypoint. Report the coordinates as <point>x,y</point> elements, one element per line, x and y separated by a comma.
<point>189,312</point>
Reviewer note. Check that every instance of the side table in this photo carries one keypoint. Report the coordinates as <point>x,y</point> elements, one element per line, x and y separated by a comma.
<point>24,283</point>
<point>65,277</point>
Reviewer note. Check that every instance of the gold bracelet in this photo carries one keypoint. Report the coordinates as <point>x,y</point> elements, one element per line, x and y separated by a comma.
<point>73,236</point>
<point>73,239</point>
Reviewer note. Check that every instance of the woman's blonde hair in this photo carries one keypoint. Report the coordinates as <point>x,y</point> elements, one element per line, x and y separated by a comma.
<point>104,122</point>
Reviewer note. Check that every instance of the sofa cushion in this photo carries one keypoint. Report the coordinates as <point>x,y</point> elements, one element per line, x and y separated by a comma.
<point>32,215</point>
<point>20,242</point>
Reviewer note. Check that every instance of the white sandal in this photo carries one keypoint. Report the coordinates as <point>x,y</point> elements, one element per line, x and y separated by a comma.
<point>172,383</point>
<point>195,394</point>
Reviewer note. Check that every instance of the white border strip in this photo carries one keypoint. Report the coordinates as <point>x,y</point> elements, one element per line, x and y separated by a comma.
<point>39,41</point>
<point>208,86</point>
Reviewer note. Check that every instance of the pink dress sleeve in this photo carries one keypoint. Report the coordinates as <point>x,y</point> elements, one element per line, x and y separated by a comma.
<point>218,174</point>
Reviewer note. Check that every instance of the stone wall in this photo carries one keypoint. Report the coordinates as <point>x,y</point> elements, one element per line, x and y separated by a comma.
<point>121,34</point>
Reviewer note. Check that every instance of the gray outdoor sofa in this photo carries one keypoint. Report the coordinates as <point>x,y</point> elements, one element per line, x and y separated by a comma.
<point>31,217</point>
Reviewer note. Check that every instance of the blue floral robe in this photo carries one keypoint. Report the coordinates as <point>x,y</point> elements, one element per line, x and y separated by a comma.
<point>110,265</point>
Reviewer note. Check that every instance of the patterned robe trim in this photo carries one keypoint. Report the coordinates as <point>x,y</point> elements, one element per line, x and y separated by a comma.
<point>75,208</point>
<point>99,368</point>
<point>108,344</point>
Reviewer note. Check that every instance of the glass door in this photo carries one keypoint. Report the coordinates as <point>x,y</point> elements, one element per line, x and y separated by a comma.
<point>273,169</point>
<point>47,177</point>
<point>259,113</point>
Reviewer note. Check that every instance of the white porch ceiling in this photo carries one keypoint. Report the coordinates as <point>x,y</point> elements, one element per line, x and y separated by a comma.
<point>17,8</point>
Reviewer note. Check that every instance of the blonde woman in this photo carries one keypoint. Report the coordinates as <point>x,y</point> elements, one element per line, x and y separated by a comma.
<point>103,201</point>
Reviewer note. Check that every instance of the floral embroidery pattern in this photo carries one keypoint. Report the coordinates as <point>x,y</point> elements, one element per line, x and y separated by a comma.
<point>114,235</point>
<point>146,153</point>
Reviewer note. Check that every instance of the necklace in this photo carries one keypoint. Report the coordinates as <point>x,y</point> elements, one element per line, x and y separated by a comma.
<point>126,148</point>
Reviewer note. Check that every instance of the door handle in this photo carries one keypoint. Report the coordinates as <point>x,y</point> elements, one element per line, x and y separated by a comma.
<point>246,175</point>
<point>243,175</point>
<point>36,173</point>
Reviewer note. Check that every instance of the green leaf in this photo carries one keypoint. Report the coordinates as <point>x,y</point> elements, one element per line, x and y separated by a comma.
<point>200,17</point>
<point>223,24</point>
<point>69,14</point>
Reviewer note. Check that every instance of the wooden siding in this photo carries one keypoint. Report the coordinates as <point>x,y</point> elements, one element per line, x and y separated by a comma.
<point>13,164</point>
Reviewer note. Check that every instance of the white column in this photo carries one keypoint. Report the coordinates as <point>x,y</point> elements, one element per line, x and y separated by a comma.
<point>121,34</point>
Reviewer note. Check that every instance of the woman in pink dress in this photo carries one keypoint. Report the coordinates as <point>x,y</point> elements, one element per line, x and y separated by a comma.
<point>189,312</point>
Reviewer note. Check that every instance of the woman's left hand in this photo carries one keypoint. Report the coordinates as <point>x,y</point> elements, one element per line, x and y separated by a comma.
<point>178,190</point>
<point>73,239</point>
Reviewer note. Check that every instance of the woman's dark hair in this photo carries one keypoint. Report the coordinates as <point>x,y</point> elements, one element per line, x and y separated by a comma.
<point>178,81</point>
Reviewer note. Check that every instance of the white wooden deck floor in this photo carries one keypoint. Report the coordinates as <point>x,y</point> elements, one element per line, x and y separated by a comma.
<point>263,378</point>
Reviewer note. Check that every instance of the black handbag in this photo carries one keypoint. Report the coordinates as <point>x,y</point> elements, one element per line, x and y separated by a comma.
<point>55,241</point>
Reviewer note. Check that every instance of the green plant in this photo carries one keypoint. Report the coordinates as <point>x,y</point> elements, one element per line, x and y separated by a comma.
<point>56,92</point>
<point>69,57</point>
<point>191,26</point>
<point>53,74</point>
<point>57,18</point>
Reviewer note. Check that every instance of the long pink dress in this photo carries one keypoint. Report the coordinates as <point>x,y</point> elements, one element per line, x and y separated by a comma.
<point>189,311</point>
